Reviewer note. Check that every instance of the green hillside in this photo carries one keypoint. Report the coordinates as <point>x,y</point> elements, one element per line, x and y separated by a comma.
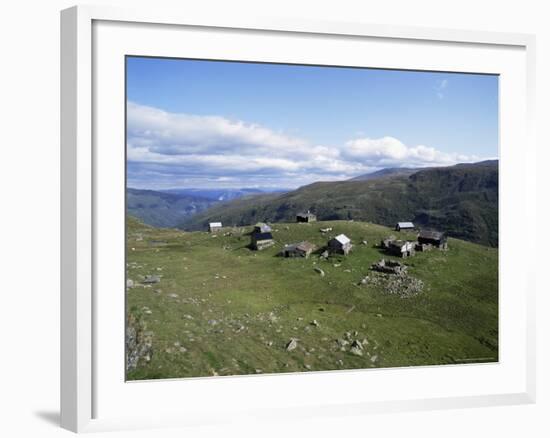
<point>222,309</point>
<point>461,200</point>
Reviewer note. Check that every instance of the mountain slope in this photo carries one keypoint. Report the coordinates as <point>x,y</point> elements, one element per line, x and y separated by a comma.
<point>163,209</point>
<point>218,194</point>
<point>461,199</point>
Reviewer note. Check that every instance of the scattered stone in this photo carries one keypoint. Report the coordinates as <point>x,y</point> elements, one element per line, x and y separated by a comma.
<point>342,342</point>
<point>173,295</point>
<point>308,366</point>
<point>213,322</point>
<point>364,242</point>
<point>337,265</point>
<point>320,271</point>
<point>356,348</point>
<point>291,345</point>
<point>129,283</point>
<point>374,358</point>
<point>151,279</point>
<point>389,267</point>
<point>398,282</point>
<point>139,342</point>
<point>188,316</point>
<point>269,343</point>
<point>314,323</point>
<point>324,255</point>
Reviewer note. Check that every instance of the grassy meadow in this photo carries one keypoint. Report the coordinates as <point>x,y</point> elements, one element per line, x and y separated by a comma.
<point>222,309</point>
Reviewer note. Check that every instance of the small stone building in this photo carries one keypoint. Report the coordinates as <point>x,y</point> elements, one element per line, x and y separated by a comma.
<point>302,249</point>
<point>436,239</point>
<point>404,226</point>
<point>259,241</point>
<point>400,248</point>
<point>261,227</point>
<point>214,226</point>
<point>340,244</point>
<point>306,217</point>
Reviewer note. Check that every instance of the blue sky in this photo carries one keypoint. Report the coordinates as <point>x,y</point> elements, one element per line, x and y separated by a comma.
<point>230,124</point>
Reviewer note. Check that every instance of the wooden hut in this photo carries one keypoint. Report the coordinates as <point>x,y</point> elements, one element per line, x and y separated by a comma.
<point>306,217</point>
<point>302,249</point>
<point>404,226</point>
<point>261,241</point>
<point>214,226</point>
<point>400,248</point>
<point>437,239</point>
<point>340,244</point>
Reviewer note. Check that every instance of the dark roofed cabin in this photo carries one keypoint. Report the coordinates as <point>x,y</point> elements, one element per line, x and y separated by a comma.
<point>261,241</point>
<point>306,217</point>
<point>302,249</point>
<point>434,238</point>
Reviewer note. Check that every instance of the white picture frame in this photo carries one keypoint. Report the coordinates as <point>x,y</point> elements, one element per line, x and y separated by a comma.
<point>92,41</point>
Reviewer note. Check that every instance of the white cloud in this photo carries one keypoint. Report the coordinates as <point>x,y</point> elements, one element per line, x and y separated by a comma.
<point>440,86</point>
<point>168,149</point>
<point>390,152</point>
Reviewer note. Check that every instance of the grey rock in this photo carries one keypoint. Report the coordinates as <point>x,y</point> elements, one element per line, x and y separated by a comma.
<point>151,279</point>
<point>291,345</point>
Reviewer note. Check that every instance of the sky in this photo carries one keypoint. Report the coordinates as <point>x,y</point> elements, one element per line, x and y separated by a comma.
<point>213,124</point>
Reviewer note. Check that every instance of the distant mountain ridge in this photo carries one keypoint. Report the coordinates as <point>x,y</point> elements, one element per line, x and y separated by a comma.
<point>162,209</point>
<point>461,200</point>
<point>388,172</point>
<point>168,208</point>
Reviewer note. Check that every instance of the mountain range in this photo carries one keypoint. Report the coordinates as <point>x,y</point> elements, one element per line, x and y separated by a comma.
<point>461,200</point>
